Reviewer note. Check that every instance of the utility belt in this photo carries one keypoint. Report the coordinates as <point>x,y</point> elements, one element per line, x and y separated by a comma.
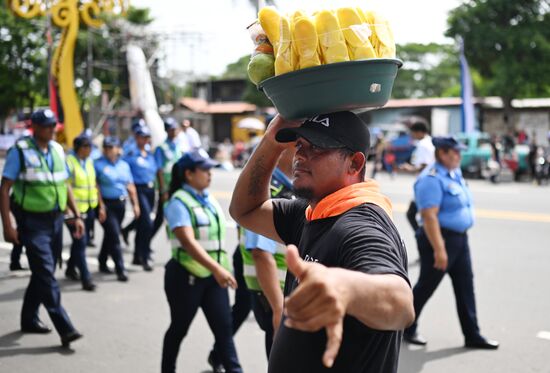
<point>121,199</point>
<point>447,232</point>
<point>18,212</point>
<point>149,185</point>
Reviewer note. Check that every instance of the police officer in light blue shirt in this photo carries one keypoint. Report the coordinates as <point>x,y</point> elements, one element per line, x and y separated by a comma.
<point>115,182</point>
<point>445,204</point>
<point>144,172</point>
<point>36,169</point>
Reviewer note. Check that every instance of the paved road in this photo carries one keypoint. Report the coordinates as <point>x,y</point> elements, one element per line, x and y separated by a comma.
<point>124,323</point>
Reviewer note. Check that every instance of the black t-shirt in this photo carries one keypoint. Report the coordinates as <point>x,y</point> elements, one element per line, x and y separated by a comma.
<point>362,239</point>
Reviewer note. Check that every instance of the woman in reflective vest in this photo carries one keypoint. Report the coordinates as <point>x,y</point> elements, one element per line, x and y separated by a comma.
<point>83,182</point>
<point>198,273</point>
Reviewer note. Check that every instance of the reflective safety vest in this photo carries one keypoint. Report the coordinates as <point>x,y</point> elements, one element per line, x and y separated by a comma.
<point>249,269</point>
<point>209,229</point>
<point>37,188</point>
<point>83,182</point>
<point>277,190</point>
<point>170,158</point>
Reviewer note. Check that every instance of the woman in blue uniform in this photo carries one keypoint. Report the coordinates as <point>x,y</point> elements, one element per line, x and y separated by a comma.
<point>144,172</point>
<point>445,204</point>
<point>115,185</point>
<point>198,273</point>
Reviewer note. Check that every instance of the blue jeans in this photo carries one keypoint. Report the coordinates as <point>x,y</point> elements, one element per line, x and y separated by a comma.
<point>42,236</point>
<point>144,232</point>
<point>78,248</point>
<point>186,294</point>
<point>459,269</point>
<point>111,238</point>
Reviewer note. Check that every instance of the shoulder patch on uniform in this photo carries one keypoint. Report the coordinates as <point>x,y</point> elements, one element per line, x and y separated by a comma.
<point>22,144</point>
<point>433,172</point>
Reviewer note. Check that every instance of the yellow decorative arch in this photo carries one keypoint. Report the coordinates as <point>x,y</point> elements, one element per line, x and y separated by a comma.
<point>67,14</point>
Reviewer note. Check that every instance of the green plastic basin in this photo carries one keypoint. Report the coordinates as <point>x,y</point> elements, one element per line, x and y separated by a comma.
<point>339,86</point>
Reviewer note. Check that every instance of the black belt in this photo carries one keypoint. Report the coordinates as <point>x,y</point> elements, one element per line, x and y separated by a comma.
<point>42,215</point>
<point>115,200</point>
<point>451,232</point>
<point>150,185</point>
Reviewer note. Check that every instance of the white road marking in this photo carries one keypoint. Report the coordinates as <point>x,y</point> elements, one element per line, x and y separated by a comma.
<point>543,335</point>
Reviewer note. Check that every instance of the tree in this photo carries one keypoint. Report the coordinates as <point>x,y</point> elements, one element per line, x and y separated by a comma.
<point>238,70</point>
<point>23,62</point>
<point>508,43</point>
<point>105,46</point>
<point>429,70</point>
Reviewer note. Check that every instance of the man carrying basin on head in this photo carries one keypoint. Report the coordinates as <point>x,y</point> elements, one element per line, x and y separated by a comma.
<point>348,295</point>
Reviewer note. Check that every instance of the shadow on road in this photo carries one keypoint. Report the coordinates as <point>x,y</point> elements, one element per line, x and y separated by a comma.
<point>15,294</point>
<point>413,360</point>
<point>12,339</point>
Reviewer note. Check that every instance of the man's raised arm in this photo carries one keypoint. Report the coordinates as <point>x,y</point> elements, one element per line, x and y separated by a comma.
<point>251,205</point>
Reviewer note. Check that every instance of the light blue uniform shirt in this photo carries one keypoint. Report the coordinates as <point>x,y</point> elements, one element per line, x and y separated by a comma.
<point>436,186</point>
<point>160,157</point>
<point>12,167</point>
<point>113,178</point>
<point>255,241</point>
<point>144,168</point>
<point>177,215</point>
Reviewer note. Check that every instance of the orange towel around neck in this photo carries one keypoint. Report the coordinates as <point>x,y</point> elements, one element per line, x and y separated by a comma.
<point>349,197</point>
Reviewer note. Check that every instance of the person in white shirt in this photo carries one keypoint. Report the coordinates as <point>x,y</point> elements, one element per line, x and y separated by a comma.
<point>422,156</point>
<point>189,138</point>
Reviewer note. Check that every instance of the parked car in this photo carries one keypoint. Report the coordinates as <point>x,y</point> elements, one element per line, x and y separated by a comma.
<point>477,154</point>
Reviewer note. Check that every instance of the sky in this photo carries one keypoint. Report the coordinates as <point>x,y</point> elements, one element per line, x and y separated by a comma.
<point>202,37</point>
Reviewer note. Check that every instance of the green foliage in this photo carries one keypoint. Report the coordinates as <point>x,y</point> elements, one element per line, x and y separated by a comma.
<point>108,53</point>
<point>508,42</point>
<point>251,94</point>
<point>23,62</point>
<point>139,16</point>
<point>429,70</point>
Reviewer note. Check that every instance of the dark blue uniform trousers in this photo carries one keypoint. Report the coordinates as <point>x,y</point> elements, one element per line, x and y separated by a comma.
<point>78,247</point>
<point>42,236</point>
<point>264,317</point>
<point>459,269</point>
<point>243,301</point>
<point>185,294</point>
<point>144,233</point>
<point>115,209</point>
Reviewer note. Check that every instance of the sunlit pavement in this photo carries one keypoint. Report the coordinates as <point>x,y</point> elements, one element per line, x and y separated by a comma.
<point>124,323</point>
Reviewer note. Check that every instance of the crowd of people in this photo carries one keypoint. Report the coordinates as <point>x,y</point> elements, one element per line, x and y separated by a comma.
<point>320,261</point>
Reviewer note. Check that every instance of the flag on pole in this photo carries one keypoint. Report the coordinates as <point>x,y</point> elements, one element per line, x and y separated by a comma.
<point>467,93</point>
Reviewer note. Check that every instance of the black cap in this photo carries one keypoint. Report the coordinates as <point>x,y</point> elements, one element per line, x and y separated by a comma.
<point>44,117</point>
<point>137,124</point>
<point>338,130</point>
<point>197,158</point>
<point>143,131</point>
<point>447,143</point>
<point>170,124</point>
<point>111,141</point>
<point>81,140</point>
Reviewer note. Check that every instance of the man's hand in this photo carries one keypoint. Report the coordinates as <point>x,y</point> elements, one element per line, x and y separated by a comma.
<point>440,259</point>
<point>102,215</point>
<point>319,301</point>
<point>276,320</point>
<point>137,211</point>
<point>79,228</point>
<point>164,197</point>
<point>224,278</point>
<point>277,123</point>
<point>11,235</point>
